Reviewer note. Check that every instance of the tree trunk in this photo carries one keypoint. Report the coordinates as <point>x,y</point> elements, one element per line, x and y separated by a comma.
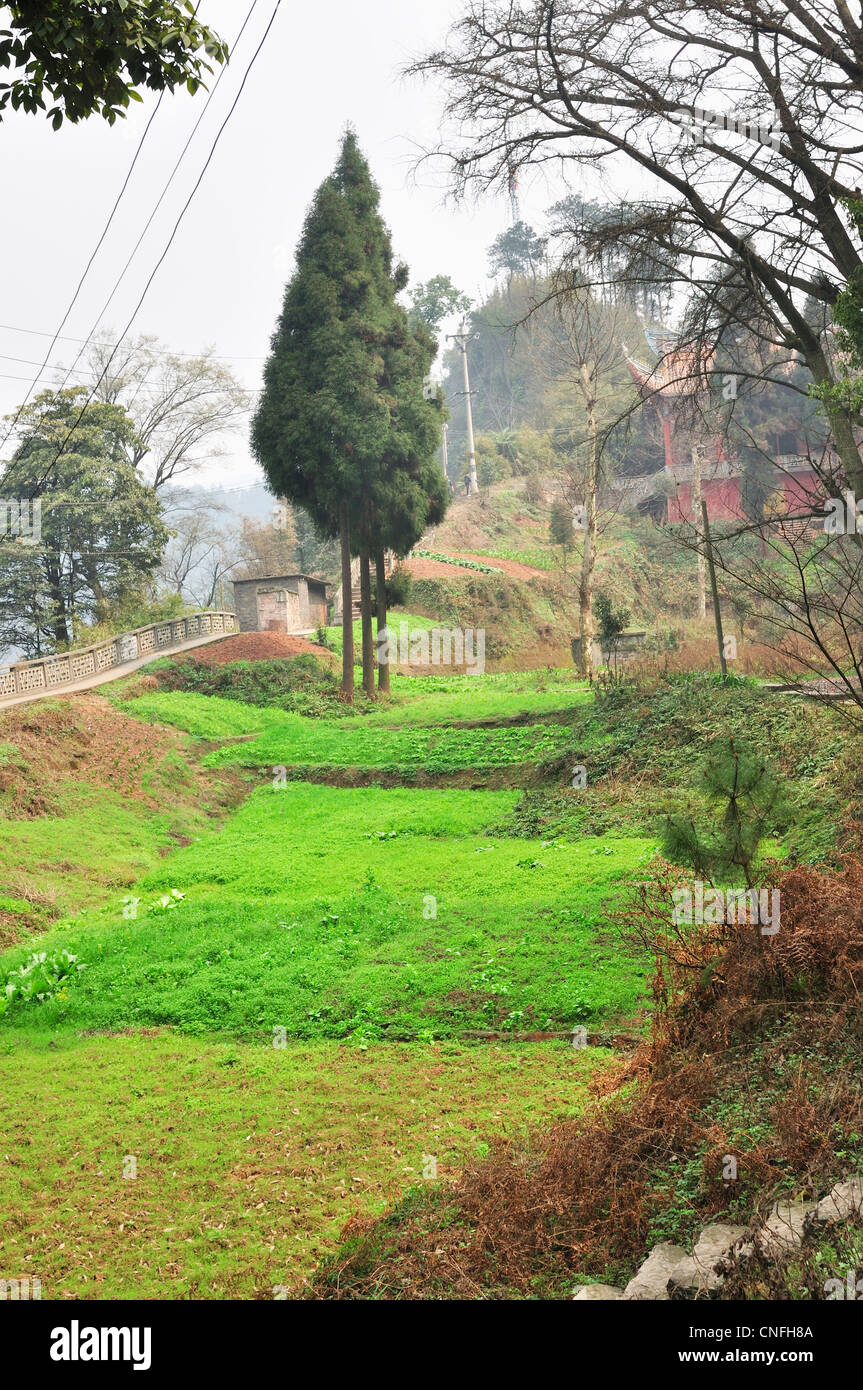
<point>696,516</point>
<point>383,644</point>
<point>347,606</point>
<point>366,612</point>
<point>59,618</point>
<point>585,589</point>
<point>588,559</point>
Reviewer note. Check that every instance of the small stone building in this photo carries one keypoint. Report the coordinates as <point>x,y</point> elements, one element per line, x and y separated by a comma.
<point>280,603</point>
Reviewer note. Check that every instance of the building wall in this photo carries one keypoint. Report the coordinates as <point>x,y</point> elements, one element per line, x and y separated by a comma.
<point>317,605</point>
<point>724,496</point>
<point>245,606</point>
<point>306,605</point>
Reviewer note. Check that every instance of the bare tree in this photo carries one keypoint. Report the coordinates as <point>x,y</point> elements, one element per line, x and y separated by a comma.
<point>183,407</point>
<point>801,576</point>
<point>579,347</point>
<point>752,220</point>
<point>200,554</point>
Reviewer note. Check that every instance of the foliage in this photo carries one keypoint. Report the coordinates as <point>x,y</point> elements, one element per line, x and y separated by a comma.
<point>612,625</point>
<point>102,530</point>
<point>517,251</point>
<point>399,585</point>
<point>560,527</point>
<point>436,300</point>
<point>89,58</point>
<point>41,977</point>
<point>747,797</point>
<point>300,684</point>
<point>456,560</point>
<point>343,427</point>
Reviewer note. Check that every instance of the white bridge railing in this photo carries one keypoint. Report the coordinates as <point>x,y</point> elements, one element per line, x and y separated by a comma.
<point>67,668</point>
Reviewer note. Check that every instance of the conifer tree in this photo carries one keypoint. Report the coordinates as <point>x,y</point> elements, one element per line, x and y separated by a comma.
<point>322,424</point>
<point>749,801</point>
<point>343,427</point>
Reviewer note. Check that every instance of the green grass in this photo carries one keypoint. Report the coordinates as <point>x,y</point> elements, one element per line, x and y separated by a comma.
<point>394,618</point>
<point>356,925</point>
<point>96,840</point>
<point>291,740</point>
<point>427,700</point>
<point>358,913</point>
<point>414,701</point>
<point>249,1159</point>
<point>537,559</point>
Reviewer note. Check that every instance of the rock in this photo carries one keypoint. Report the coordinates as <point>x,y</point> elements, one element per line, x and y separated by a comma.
<point>651,1281</point>
<point>784,1228</point>
<point>843,1201</point>
<point>591,1293</point>
<point>696,1273</point>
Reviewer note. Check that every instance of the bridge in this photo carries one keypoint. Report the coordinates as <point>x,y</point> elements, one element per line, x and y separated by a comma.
<point>108,660</point>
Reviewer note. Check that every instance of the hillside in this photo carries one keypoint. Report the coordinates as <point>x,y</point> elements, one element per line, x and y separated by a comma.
<point>376,930</point>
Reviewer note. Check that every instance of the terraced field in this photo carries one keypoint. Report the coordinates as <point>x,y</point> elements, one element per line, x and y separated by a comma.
<point>306,988</point>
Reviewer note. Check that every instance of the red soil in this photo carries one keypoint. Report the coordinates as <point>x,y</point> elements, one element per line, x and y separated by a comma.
<point>422,568</point>
<point>254,646</point>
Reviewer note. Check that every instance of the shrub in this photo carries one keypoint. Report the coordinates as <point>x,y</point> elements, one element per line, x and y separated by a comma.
<point>399,587</point>
<point>533,486</point>
<point>298,684</point>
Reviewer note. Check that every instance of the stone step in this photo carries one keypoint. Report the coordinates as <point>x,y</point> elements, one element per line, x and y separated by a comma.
<point>696,1274</point>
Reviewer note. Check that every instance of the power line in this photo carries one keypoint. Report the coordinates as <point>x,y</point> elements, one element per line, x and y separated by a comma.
<point>85,341</point>
<point>70,306</point>
<point>174,231</point>
<point>159,201</point>
<point>164,352</point>
<point>84,371</point>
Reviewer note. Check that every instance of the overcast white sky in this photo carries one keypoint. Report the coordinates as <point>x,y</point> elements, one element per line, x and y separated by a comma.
<point>323,65</point>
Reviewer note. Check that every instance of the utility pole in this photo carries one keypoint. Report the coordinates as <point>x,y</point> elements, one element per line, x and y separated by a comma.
<point>443,432</point>
<point>715,591</point>
<point>462,339</point>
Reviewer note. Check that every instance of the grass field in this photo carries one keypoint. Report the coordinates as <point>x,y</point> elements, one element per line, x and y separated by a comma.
<point>311,996</point>
<point>248,1159</point>
<point>286,739</point>
<point>360,913</point>
<point>290,1036</point>
<point>427,700</point>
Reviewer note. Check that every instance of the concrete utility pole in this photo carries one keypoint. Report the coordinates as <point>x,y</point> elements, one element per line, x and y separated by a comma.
<point>463,338</point>
<point>443,431</point>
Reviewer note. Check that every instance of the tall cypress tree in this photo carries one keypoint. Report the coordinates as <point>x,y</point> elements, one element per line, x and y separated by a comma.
<point>343,428</point>
<point>321,424</point>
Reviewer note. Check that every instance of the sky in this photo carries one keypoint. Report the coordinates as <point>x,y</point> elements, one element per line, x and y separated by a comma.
<point>221,283</point>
